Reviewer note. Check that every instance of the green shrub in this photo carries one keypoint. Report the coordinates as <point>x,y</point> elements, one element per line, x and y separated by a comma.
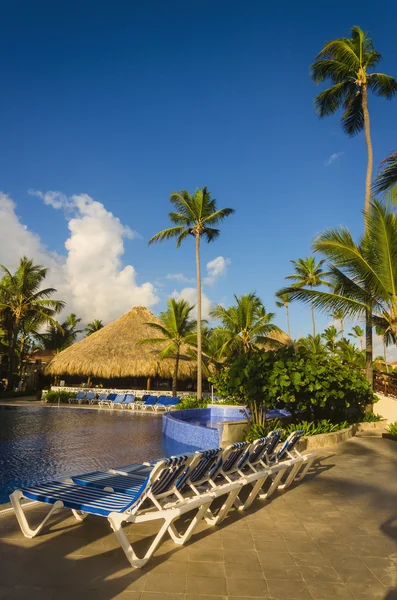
<point>53,396</point>
<point>9,394</point>
<point>192,402</point>
<point>309,427</point>
<point>369,417</point>
<point>392,428</point>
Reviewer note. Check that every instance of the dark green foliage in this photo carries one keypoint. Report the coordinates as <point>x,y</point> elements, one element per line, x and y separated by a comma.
<point>311,385</point>
<point>369,417</point>
<point>10,394</point>
<point>392,428</point>
<point>309,427</point>
<point>53,396</point>
<point>192,402</point>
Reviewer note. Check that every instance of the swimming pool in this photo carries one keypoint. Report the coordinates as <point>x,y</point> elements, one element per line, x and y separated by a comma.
<point>40,443</point>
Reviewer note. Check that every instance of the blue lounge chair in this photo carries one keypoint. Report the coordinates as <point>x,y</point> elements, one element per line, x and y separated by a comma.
<point>149,403</point>
<point>166,403</point>
<point>118,401</point>
<point>128,401</point>
<point>138,403</point>
<point>107,400</point>
<point>80,396</point>
<point>158,490</point>
<point>103,397</point>
<point>90,397</point>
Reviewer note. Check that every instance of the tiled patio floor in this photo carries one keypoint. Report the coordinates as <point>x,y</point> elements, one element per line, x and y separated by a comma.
<point>334,536</point>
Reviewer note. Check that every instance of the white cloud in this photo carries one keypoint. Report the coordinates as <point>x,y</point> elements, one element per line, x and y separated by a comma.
<point>216,268</point>
<point>331,159</point>
<point>178,277</point>
<point>190,295</point>
<point>90,278</point>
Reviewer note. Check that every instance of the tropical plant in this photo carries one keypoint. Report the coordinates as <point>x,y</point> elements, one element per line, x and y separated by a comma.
<point>194,215</point>
<point>244,326</point>
<point>283,300</point>
<point>330,336</point>
<point>350,355</point>
<point>60,335</point>
<point>339,315</point>
<point>357,333</point>
<point>309,273</point>
<point>23,305</point>
<point>313,343</point>
<point>62,396</point>
<point>370,417</point>
<point>192,402</point>
<point>92,327</point>
<point>386,180</point>
<point>176,330</point>
<point>347,63</point>
<point>392,428</point>
<point>364,275</point>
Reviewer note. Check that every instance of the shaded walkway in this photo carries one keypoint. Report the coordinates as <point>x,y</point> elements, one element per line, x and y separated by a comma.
<point>334,536</point>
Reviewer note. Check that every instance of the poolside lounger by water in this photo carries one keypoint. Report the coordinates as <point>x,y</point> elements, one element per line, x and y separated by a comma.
<point>159,489</point>
<point>80,396</point>
<point>128,401</point>
<point>138,403</point>
<point>90,397</point>
<point>107,400</point>
<point>149,403</point>
<point>113,400</point>
<point>166,403</point>
<point>102,397</point>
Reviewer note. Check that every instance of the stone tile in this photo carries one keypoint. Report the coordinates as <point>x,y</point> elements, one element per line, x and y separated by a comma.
<point>206,585</point>
<point>252,571</point>
<point>356,575</point>
<point>334,549</point>
<point>202,597</point>
<point>247,588</point>
<point>198,555</point>
<point>161,582</point>
<point>282,572</point>
<point>330,591</point>
<point>288,590</point>
<point>311,559</point>
<point>160,596</point>
<point>319,574</point>
<point>304,547</point>
<point>206,569</point>
<point>368,591</point>
<point>276,558</point>
<point>242,558</point>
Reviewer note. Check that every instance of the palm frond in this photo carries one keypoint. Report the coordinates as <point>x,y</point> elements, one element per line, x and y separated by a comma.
<point>218,216</point>
<point>382,85</point>
<point>166,234</point>
<point>353,117</point>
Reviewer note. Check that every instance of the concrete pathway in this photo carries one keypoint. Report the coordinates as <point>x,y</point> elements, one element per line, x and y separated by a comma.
<point>334,536</point>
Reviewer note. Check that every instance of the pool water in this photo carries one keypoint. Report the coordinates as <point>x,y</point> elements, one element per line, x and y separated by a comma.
<point>40,443</point>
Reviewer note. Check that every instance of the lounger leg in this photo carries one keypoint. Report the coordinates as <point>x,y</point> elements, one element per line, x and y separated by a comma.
<point>224,510</point>
<point>181,539</point>
<point>252,495</point>
<point>15,499</point>
<point>79,515</point>
<point>291,476</point>
<point>273,487</point>
<point>116,520</point>
<point>305,469</point>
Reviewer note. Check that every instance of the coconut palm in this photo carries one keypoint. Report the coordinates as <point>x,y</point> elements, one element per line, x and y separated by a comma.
<point>357,333</point>
<point>386,180</point>
<point>60,335</point>
<point>94,326</point>
<point>330,336</point>
<point>194,215</point>
<point>313,343</point>
<point>350,355</point>
<point>309,273</point>
<point>244,325</point>
<point>23,304</point>
<point>339,315</point>
<point>387,339</point>
<point>176,330</point>
<point>283,300</point>
<point>364,275</point>
<point>348,63</point>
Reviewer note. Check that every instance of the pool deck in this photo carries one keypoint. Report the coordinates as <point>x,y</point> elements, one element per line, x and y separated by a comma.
<point>333,536</point>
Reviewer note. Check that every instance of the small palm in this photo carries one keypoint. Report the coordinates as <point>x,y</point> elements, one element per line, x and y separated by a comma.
<point>94,326</point>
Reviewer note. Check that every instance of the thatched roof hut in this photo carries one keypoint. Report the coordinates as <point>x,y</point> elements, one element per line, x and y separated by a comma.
<point>114,351</point>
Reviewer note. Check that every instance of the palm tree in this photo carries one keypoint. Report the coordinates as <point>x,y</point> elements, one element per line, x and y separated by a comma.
<point>339,315</point>
<point>386,180</point>
<point>330,336</point>
<point>363,275</point>
<point>357,333</point>
<point>349,354</point>
<point>308,273</point>
<point>313,344</point>
<point>347,63</point>
<point>244,326</point>
<point>284,300</point>
<point>177,330</point>
<point>387,339</point>
<point>23,303</point>
<point>194,215</point>
<point>60,335</point>
<point>94,326</point>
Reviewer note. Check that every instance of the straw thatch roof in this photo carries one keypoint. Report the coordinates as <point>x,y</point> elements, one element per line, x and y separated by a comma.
<point>115,351</point>
<point>281,337</point>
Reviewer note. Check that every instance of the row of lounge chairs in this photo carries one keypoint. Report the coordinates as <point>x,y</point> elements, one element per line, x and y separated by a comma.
<point>168,488</point>
<point>148,402</point>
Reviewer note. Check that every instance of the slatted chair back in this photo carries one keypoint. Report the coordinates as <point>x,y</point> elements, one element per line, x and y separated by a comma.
<point>111,397</point>
<point>102,397</point>
<point>200,469</point>
<point>90,396</point>
<point>228,462</point>
<point>151,400</point>
<point>257,451</point>
<point>289,445</point>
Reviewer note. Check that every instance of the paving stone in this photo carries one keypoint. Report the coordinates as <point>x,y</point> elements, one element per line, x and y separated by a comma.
<point>206,585</point>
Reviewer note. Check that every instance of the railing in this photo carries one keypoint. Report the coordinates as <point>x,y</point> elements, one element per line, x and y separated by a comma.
<point>137,393</point>
<point>385,384</point>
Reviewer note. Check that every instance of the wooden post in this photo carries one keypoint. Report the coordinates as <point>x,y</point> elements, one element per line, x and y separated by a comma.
<point>148,383</point>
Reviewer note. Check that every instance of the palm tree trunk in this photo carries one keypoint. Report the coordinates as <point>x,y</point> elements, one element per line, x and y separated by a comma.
<point>313,321</point>
<point>367,131</point>
<point>175,376</point>
<point>12,360</point>
<point>288,324</point>
<point>342,328</point>
<point>199,376</point>
<point>385,355</point>
<point>368,348</point>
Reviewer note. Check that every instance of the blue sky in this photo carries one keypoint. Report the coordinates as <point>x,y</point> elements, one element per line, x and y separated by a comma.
<point>127,101</point>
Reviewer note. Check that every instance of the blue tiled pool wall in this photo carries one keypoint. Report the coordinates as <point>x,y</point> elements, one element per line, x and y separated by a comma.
<point>177,427</point>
